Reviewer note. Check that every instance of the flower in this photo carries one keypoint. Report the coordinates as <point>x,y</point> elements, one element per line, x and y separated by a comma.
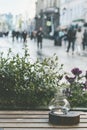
<point>75,89</point>
<point>76,71</point>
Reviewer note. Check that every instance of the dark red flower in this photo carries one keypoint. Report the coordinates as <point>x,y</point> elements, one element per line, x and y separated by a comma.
<point>76,71</point>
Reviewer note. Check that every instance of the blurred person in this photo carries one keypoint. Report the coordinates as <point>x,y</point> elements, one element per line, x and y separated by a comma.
<point>84,43</point>
<point>31,36</point>
<point>20,36</point>
<point>79,40</point>
<point>56,37</point>
<point>24,36</point>
<point>6,33</point>
<point>65,36</point>
<point>71,37</point>
<point>34,35</point>
<point>17,35</point>
<point>39,37</point>
<point>13,35</point>
<point>61,36</point>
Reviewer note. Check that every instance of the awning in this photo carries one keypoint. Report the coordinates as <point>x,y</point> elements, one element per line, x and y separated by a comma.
<point>78,20</point>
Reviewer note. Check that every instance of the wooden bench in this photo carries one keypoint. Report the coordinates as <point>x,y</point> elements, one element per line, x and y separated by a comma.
<point>35,120</point>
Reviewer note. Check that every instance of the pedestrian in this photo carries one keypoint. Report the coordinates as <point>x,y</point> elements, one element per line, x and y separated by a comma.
<point>84,43</point>
<point>24,35</point>
<point>39,38</point>
<point>31,36</point>
<point>61,36</point>
<point>79,40</point>
<point>13,35</point>
<point>56,37</point>
<point>17,35</point>
<point>65,36</point>
<point>71,37</point>
<point>34,35</point>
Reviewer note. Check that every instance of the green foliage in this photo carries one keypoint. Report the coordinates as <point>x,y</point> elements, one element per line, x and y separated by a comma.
<point>26,84</point>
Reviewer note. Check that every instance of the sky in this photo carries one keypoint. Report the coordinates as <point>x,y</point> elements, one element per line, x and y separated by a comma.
<point>18,6</point>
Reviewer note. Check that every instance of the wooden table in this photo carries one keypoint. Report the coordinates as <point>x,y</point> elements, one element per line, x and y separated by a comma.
<point>35,120</point>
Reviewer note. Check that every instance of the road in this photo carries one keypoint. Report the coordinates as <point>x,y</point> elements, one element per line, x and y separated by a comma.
<point>70,61</point>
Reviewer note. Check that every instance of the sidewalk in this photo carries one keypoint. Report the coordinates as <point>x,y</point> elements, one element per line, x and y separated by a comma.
<point>70,61</point>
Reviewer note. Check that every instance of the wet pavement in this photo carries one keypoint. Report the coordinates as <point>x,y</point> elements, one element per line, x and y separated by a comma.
<point>70,61</point>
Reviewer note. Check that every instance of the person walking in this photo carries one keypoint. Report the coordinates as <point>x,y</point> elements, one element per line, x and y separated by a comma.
<point>39,38</point>
<point>79,40</point>
<point>24,35</point>
<point>34,35</point>
<point>13,35</point>
<point>17,35</point>
<point>65,36</point>
<point>57,37</point>
<point>71,37</point>
<point>84,43</point>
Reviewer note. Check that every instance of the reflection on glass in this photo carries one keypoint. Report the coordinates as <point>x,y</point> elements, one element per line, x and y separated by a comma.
<point>59,104</point>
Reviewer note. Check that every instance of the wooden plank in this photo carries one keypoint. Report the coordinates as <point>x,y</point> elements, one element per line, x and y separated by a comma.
<point>24,120</point>
<point>23,116</point>
<point>83,120</point>
<point>23,112</point>
<point>45,129</point>
<point>83,114</point>
<point>39,125</point>
<point>34,112</point>
<point>32,120</point>
<point>31,116</point>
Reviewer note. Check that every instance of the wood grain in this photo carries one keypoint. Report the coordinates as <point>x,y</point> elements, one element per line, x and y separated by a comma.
<point>35,120</point>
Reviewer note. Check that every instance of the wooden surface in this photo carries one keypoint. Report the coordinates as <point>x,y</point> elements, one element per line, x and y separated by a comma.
<point>35,120</point>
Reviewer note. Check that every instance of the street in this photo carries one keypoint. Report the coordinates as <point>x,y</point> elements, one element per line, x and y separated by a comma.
<point>70,61</point>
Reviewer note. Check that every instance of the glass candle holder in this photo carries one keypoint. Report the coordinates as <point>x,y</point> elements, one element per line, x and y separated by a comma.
<point>59,104</point>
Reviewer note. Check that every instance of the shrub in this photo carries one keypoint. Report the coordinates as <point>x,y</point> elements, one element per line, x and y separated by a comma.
<point>26,84</point>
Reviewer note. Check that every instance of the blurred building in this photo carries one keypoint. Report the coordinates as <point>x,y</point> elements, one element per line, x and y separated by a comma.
<point>53,13</point>
<point>6,22</point>
<point>73,12</point>
<point>47,16</point>
<point>85,11</point>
